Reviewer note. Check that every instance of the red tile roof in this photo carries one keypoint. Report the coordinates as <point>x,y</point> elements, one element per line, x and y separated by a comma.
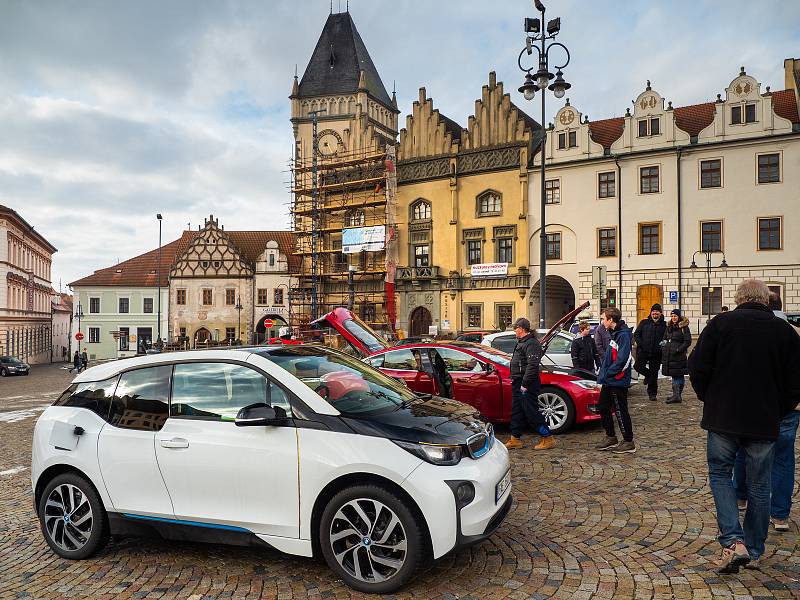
<point>607,131</point>
<point>142,270</point>
<point>693,119</point>
<point>784,104</point>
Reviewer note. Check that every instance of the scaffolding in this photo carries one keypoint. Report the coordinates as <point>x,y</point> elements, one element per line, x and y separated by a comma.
<point>330,194</point>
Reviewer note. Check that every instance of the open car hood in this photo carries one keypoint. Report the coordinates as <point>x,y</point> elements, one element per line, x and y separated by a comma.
<point>567,318</point>
<point>357,333</point>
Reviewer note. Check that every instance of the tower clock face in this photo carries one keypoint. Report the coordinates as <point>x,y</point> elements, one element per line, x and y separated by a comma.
<point>328,142</point>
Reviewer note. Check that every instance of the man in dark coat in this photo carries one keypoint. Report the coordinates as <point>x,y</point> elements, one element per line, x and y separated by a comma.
<point>648,335</point>
<point>601,338</point>
<point>76,363</point>
<point>583,351</point>
<point>744,370</point>
<point>84,361</point>
<point>677,340</point>
<point>525,385</point>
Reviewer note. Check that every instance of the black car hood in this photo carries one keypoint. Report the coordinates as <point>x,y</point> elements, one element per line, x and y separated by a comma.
<point>427,419</point>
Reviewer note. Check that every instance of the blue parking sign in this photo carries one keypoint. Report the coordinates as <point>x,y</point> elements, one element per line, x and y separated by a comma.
<point>673,297</point>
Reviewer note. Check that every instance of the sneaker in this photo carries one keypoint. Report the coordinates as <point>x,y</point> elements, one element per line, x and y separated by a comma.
<point>514,442</point>
<point>608,443</point>
<point>546,443</point>
<point>673,400</point>
<point>625,448</point>
<point>741,504</point>
<point>733,557</point>
<point>652,398</point>
<point>753,565</point>
<point>780,524</point>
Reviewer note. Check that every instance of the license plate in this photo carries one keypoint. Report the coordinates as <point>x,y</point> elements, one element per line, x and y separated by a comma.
<point>502,486</point>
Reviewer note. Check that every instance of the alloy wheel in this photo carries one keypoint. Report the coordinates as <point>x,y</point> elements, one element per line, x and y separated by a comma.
<point>368,540</point>
<point>554,409</point>
<point>68,517</point>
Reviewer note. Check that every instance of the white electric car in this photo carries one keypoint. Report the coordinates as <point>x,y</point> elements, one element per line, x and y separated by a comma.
<point>302,448</point>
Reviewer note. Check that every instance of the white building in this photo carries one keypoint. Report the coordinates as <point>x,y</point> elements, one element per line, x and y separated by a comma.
<point>645,194</point>
<point>61,326</point>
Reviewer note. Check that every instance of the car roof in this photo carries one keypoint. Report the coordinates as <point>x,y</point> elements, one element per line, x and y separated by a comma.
<point>494,336</point>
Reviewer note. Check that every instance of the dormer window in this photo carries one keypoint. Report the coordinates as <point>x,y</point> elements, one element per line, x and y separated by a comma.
<point>749,114</point>
<point>489,203</point>
<point>649,127</point>
<point>420,211</point>
<point>567,139</point>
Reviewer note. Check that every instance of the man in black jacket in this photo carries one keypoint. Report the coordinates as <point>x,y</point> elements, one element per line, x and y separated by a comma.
<point>744,370</point>
<point>583,350</point>
<point>648,335</point>
<point>525,385</point>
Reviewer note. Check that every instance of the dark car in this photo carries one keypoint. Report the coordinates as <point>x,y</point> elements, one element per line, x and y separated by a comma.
<point>474,336</point>
<point>13,366</point>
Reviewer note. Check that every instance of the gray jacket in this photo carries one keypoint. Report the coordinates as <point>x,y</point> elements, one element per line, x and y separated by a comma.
<point>601,340</point>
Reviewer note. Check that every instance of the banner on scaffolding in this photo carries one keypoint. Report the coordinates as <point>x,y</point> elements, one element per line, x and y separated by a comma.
<point>363,239</point>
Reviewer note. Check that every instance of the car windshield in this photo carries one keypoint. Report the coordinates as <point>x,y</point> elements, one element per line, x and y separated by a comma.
<point>363,332</point>
<point>501,358</point>
<point>10,360</point>
<point>349,385</point>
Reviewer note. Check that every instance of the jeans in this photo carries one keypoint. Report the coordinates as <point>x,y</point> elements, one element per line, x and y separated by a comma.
<point>721,454</point>
<point>525,411</point>
<point>782,469</point>
<point>615,399</point>
<point>680,380</point>
<point>648,365</point>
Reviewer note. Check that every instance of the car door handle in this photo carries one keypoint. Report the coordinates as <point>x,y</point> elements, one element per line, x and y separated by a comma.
<point>175,443</point>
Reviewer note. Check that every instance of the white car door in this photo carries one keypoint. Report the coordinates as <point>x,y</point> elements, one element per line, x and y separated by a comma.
<point>126,445</point>
<point>221,474</point>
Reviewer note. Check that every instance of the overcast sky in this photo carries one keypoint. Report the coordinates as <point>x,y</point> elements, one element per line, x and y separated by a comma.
<point>113,111</point>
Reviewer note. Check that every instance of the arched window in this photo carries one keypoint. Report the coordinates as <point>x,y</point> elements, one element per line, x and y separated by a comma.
<point>354,218</point>
<point>490,203</point>
<point>420,210</point>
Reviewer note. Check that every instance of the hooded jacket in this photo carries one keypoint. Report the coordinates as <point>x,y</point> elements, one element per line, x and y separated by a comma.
<point>525,360</point>
<point>616,368</point>
<point>744,369</point>
<point>677,339</point>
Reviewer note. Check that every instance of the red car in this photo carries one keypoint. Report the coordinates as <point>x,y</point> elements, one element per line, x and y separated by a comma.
<point>480,375</point>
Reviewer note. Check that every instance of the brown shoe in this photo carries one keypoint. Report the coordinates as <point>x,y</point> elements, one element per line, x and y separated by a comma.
<point>733,557</point>
<point>780,524</point>
<point>514,442</point>
<point>624,448</point>
<point>546,443</point>
<point>608,443</point>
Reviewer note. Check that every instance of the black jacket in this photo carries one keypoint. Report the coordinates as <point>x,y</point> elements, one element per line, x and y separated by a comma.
<point>678,338</point>
<point>525,360</point>
<point>648,336</point>
<point>584,353</point>
<point>745,370</point>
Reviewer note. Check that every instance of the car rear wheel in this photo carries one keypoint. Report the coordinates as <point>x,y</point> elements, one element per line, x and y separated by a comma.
<point>557,408</point>
<point>3,373</point>
<point>72,517</point>
<point>371,539</point>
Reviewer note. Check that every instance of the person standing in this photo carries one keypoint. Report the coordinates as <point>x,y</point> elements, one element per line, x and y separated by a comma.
<point>677,340</point>
<point>525,385</point>
<point>84,361</point>
<point>76,363</point>
<point>583,351</point>
<point>614,378</point>
<point>648,336</point>
<point>743,369</point>
<point>601,338</point>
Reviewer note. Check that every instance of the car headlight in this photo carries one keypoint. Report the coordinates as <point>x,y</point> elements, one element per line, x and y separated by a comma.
<point>437,454</point>
<point>586,384</point>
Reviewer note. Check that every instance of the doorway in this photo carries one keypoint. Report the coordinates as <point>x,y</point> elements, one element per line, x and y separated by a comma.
<point>202,336</point>
<point>646,296</point>
<point>419,321</point>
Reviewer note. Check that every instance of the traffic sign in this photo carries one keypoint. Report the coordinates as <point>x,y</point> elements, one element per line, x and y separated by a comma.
<point>79,336</point>
<point>673,297</point>
<point>268,323</point>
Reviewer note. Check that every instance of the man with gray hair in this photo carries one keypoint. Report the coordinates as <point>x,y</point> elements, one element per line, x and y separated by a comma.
<point>743,370</point>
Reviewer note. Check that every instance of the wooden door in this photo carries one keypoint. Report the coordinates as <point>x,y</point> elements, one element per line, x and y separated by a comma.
<point>420,321</point>
<point>646,296</point>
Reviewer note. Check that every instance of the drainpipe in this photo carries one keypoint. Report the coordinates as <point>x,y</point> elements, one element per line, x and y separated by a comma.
<point>619,231</point>
<point>680,231</point>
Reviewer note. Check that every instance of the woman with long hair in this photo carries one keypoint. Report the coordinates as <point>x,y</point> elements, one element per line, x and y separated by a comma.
<point>674,349</point>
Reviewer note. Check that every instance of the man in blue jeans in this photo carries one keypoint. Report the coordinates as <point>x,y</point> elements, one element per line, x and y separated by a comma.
<point>743,370</point>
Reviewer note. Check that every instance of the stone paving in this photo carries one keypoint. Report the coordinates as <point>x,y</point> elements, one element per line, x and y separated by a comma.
<point>584,525</point>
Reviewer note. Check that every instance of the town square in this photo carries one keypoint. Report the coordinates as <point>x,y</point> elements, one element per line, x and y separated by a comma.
<point>339,299</point>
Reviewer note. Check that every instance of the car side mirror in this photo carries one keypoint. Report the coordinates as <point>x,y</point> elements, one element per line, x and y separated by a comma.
<point>489,368</point>
<point>260,414</point>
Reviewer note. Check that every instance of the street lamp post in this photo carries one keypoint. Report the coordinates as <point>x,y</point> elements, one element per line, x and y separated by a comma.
<point>723,264</point>
<point>79,316</point>
<point>239,308</point>
<point>533,83</point>
<point>158,275</point>
<point>351,295</point>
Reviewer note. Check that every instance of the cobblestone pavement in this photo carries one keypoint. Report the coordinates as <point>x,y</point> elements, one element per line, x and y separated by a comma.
<point>584,524</point>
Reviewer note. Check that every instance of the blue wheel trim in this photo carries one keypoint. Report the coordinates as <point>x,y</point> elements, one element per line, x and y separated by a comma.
<point>180,522</point>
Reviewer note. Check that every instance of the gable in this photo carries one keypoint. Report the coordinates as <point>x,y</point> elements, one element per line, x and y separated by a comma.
<point>212,254</point>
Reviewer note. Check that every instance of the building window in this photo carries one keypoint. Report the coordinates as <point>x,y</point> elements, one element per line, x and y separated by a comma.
<point>94,305</point>
<point>147,306</point>
<point>278,296</point>
<point>124,332</point>
<point>271,259</point>
<point>262,296</point>
<point>94,335</point>
<point>474,315</point>
<point>777,290</point>
<point>573,139</point>
<point>207,297</point>
<point>230,333</point>
<point>552,191</point>
<point>712,300</point>
<point>489,203</point>
<point>354,218</point>
<point>711,236</point>
<point>749,114</point>
<point>182,332</point>
<point>711,173</point>
<point>562,141</point>
<point>568,139</point>
<point>648,180</point>
<point>505,250</point>
<point>607,242</point>
<point>473,252</point>
<point>124,305</point>
<point>769,233</point>
<point>648,127</point>
<point>420,211</point>
<point>606,184</point>
<point>230,297</point>
<point>649,238</point>
<point>180,296</point>
<point>505,316</point>
<point>609,300</point>
<point>553,246</point>
<point>421,256</point>
<point>769,168</point>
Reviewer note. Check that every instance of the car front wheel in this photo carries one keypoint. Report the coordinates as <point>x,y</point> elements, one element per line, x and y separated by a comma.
<point>371,539</point>
<point>557,408</point>
<point>72,517</point>
<point>3,373</point>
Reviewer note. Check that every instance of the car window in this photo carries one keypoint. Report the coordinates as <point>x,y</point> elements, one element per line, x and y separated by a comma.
<point>498,356</point>
<point>401,360</point>
<point>141,400</point>
<point>505,343</point>
<point>376,361</point>
<point>559,345</point>
<point>459,362</point>
<point>92,395</point>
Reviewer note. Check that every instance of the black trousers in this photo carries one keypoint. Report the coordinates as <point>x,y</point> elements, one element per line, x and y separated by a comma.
<point>615,399</point>
<point>525,413</point>
<point>649,365</point>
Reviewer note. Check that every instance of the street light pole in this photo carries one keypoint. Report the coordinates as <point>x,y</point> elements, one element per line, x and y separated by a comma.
<point>533,83</point>
<point>79,316</point>
<point>158,275</point>
<point>723,264</point>
<point>239,308</point>
<point>351,297</point>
